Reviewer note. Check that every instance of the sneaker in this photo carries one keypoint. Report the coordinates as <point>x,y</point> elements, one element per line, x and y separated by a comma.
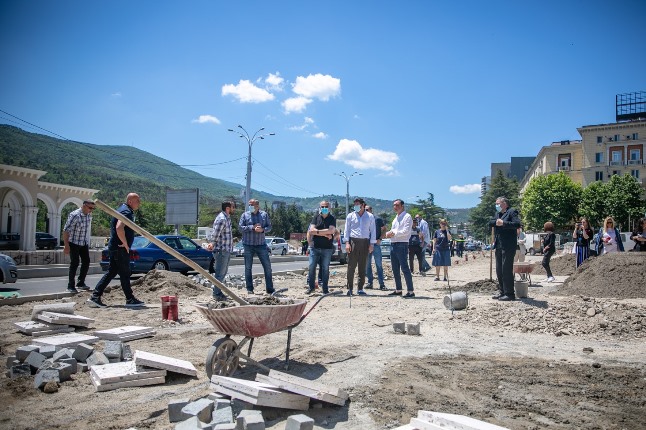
<point>83,287</point>
<point>134,303</point>
<point>249,291</point>
<point>445,280</point>
<point>362,293</point>
<point>270,292</point>
<point>551,279</point>
<point>408,295</point>
<point>422,273</point>
<point>507,298</point>
<point>436,279</point>
<point>396,293</point>
<point>326,291</point>
<point>369,287</point>
<point>310,291</point>
<point>95,302</point>
<point>349,293</point>
<point>497,296</point>
<point>72,290</point>
<point>546,280</point>
<point>383,288</point>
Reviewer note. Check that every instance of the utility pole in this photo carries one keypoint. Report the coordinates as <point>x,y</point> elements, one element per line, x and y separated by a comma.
<point>250,141</point>
<point>347,189</point>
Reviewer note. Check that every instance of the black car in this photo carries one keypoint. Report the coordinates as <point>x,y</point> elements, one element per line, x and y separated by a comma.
<point>45,241</point>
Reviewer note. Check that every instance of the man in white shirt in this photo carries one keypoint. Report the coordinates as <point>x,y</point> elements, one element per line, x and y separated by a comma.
<point>399,235</point>
<point>360,238</point>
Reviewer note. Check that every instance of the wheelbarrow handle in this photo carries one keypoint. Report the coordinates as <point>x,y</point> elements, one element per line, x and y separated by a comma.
<point>336,293</point>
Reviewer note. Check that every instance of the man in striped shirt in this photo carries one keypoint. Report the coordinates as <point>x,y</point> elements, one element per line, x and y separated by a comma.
<point>222,246</point>
<point>76,236</point>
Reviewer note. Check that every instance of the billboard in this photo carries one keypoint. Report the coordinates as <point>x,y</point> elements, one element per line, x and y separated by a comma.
<point>182,206</point>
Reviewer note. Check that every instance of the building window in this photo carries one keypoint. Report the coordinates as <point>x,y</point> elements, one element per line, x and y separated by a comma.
<point>635,136</point>
<point>634,154</point>
<point>598,157</point>
<point>598,176</point>
<point>599,139</point>
<point>615,172</point>
<point>617,138</point>
<point>616,157</point>
<point>634,173</point>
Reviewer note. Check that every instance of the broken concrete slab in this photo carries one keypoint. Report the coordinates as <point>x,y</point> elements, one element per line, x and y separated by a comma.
<point>39,328</point>
<point>66,340</point>
<point>99,386</point>
<point>125,333</point>
<point>61,318</point>
<point>62,308</point>
<point>124,371</point>
<point>157,361</point>
<point>305,387</point>
<point>446,421</point>
<point>299,422</point>
<point>258,393</point>
<point>45,376</point>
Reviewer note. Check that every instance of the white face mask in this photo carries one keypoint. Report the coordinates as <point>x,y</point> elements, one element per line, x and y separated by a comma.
<point>251,208</point>
<point>357,208</point>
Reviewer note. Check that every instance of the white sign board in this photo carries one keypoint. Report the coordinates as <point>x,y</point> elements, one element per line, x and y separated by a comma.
<point>182,206</point>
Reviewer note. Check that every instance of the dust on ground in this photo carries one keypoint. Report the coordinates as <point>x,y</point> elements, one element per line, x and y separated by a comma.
<point>559,359</point>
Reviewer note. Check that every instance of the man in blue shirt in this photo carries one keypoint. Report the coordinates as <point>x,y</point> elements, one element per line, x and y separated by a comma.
<point>121,238</point>
<point>221,239</point>
<point>360,238</point>
<point>254,224</point>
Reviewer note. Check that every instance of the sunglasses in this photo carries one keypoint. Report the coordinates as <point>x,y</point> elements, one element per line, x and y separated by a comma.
<point>324,206</point>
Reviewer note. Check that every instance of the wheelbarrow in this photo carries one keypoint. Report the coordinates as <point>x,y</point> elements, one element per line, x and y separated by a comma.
<point>250,321</point>
<point>524,269</point>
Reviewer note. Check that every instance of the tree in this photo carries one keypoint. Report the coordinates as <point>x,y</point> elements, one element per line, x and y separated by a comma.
<point>553,198</point>
<point>431,212</point>
<point>486,209</point>
<point>622,197</point>
<point>593,203</point>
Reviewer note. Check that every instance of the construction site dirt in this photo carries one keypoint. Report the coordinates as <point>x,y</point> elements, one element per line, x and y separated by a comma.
<point>571,355</point>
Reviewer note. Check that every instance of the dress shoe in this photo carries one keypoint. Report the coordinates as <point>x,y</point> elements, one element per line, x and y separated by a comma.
<point>507,298</point>
<point>496,296</point>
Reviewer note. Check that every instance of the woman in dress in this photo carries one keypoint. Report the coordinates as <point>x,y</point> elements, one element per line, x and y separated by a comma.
<point>609,239</point>
<point>582,234</point>
<point>441,250</point>
<point>639,236</point>
<point>549,248</point>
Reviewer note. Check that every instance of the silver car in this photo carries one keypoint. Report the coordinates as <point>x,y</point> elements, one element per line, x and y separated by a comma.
<point>385,248</point>
<point>8,269</point>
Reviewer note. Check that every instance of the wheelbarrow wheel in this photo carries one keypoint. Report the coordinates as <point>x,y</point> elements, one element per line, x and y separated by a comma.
<point>222,359</point>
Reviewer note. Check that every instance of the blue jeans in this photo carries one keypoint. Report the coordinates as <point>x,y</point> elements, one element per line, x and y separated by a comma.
<point>220,268</point>
<point>321,256</point>
<point>376,252</point>
<point>399,261</point>
<point>263,255</point>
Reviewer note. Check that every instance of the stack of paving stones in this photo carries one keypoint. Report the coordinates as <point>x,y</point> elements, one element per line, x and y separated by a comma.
<point>52,365</point>
<point>215,412</point>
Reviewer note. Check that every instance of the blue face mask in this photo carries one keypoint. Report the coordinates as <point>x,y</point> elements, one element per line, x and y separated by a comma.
<point>498,208</point>
<point>357,208</point>
<point>251,208</point>
<point>325,211</point>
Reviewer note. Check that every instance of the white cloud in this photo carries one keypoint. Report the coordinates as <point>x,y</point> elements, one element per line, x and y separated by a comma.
<point>297,127</point>
<point>205,119</point>
<point>117,94</point>
<point>295,104</point>
<point>317,86</point>
<point>246,92</point>
<point>350,152</point>
<point>465,189</point>
<point>320,135</point>
<point>309,120</point>
<point>274,82</point>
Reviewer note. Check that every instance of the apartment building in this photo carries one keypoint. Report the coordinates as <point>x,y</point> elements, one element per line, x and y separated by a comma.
<point>562,156</point>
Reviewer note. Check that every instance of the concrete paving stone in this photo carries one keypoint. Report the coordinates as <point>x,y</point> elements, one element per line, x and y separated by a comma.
<point>97,358</point>
<point>191,424</point>
<point>72,362</point>
<point>64,371</point>
<point>10,361</point>
<point>35,360</point>
<point>114,360</point>
<point>45,376</point>
<point>62,354</point>
<point>299,422</point>
<point>250,420</point>
<point>82,352</point>
<point>112,349</point>
<point>46,364</point>
<point>23,351</point>
<point>216,396</point>
<point>126,352</point>
<point>82,367</point>
<point>222,412</point>
<point>399,327</point>
<point>19,370</point>
<point>47,350</point>
<point>413,329</point>
<point>175,409</point>
<point>227,426</point>
<point>201,408</point>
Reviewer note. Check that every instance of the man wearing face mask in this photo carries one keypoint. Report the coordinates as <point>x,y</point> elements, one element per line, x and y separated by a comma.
<point>505,225</point>
<point>321,232</point>
<point>360,239</point>
<point>254,224</point>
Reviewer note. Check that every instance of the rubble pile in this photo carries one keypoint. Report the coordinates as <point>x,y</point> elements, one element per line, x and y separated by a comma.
<point>158,283</point>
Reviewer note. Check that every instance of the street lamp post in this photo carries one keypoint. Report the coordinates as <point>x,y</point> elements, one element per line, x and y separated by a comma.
<point>347,189</point>
<point>250,141</point>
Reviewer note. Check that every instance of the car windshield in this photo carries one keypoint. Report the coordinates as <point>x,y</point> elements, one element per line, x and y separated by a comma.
<point>239,245</point>
<point>140,242</point>
<point>267,241</point>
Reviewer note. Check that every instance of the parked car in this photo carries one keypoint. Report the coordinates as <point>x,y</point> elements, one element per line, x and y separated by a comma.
<point>10,242</point>
<point>145,255</point>
<point>45,241</point>
<point>277,245</point>
<point>238,250</point>
<point>472,246</point>
<point>339,252</point>
<point>385,248</point>
<point>8,269</point>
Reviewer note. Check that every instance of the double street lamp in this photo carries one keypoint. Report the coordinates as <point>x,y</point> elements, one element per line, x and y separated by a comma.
<point>347,189</point>
<point>250,140</point>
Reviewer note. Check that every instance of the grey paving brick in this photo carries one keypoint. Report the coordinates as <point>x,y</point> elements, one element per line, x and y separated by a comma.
<point>47,350</point>
<point>82,352</point>
<point>175,410</point>
<point>112,349</point>
<point>73,364</point>
<point>63,354</point>
<point>97,358</point>
<point>10,361</point>
<point>222,412</point>
<point>19,370</point>
<point>126,352</point>
<point>35,360</point>
<point>201,408</point>
<point>299,422</point>
<point>24,351</point>
<point>45,376</point>
<point>192,423</point>
<point>250,420</point>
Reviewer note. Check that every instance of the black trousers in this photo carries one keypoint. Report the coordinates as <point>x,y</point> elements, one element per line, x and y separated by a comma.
<point>82,254</point>
<point>119,265</point>
<point>505,270</point>
<point>415,251</point>
<point>546,263</point>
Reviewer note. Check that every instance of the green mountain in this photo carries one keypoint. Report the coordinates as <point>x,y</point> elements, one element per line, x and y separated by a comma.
<point>117,170</point>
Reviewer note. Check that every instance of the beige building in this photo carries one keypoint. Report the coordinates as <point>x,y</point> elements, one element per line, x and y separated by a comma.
<point>605,150</point>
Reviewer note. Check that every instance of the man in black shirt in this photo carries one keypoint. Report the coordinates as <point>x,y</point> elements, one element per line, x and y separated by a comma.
<point>505,225</point>
<point>321,234</point>
<point>380,227</point>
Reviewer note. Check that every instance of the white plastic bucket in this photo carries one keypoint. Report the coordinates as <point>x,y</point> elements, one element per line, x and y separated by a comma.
<point>521,288</point>
<point>456,301</point>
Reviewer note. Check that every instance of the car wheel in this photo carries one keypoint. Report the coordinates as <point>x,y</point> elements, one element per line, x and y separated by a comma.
<point>160,265</point>
<point>532,251</point>
<point>283,252</point>
<point>343,261</point>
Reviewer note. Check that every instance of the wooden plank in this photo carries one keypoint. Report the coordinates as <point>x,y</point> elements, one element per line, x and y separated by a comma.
<point>124,371</point>
<point>65,340</point>
<point>313,389</point>
<point>125,384</point>
<point>117,333</point>
<point>258,393</point>
<point>143,358</point>
<point>63,308</point>
<point>57,318</point>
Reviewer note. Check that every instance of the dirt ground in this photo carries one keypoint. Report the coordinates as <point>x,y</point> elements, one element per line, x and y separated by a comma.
<point>572,355</point>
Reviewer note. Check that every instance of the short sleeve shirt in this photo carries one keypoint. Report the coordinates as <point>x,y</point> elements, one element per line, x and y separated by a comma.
<point>322,223</point>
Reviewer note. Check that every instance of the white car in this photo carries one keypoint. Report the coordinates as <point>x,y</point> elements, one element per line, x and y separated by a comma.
<point>277,245</point>
<point>8,269</point>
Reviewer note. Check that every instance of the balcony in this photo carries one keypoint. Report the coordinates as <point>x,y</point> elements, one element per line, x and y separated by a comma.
<point>634,162</point>
<point>616,163</point>
<point>564,168</point>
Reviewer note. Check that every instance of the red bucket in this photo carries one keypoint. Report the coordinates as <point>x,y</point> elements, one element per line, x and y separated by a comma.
<point>165,301</point>
<point>173,309</point>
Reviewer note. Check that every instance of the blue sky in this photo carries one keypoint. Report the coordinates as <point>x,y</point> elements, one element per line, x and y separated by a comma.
<point>417,96</point>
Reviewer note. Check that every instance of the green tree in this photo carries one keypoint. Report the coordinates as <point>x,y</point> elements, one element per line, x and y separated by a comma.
<point>431,212</point>
<point>553,198</point>
<point>593,203</point>
<point>486,209</point>
<point>622,197</point>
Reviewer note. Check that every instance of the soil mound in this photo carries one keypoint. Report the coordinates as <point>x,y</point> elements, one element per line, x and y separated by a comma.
<point>563,265</point>
<point>621,275</point>
<point>480,286</point>
<point>157,283</point>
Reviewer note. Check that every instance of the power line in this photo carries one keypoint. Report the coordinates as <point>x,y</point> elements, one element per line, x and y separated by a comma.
<point>286,181</point>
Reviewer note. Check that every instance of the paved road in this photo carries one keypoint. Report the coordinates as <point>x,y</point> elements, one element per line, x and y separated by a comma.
<point>37,286</point>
